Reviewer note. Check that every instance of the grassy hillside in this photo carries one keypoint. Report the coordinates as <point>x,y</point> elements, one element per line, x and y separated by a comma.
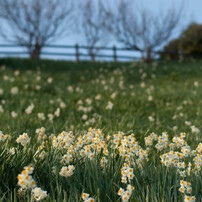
<point>129,97</point>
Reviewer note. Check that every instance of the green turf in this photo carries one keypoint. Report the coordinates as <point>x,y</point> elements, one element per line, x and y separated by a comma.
<point>146,98</point>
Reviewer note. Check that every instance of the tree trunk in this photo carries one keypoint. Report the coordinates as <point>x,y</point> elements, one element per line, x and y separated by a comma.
<point>148,57</point>
<point>35,53</point>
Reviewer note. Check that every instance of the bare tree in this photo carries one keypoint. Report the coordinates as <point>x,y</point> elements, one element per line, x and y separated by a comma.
<point>140,29</point>
<point>91,25</point>
<point>34,23</point>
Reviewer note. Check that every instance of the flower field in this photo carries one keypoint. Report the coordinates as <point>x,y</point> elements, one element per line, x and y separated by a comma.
<point>100,132</point>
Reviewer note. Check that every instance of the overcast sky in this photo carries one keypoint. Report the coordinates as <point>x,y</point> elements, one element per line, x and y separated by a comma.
<point>192,12</point>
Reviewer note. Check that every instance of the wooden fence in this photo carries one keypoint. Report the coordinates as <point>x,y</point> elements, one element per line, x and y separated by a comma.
<point>76,52</point>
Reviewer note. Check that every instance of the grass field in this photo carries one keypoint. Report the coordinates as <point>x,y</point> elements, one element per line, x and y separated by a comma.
<point>115,131</point>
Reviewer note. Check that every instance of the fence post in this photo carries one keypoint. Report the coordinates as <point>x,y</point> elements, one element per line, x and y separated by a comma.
<point>77,52</point>
<point>114,53</point>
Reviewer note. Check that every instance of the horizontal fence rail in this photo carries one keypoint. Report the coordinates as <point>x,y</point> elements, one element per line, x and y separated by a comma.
<point>89,52</point>
<point>92,52</point>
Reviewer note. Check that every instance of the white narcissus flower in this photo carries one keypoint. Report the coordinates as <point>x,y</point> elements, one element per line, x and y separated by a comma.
<point>25,180</point>
<point>39,194</point>
<point>109,105</point>
<point>88,101</point>
<point>175,128</point>
<point>196,83</point>
<point>188,198</point>
<point>5,78</point>
<point>151,118</point>
<point>98,97</point>
<point>37,87</point>
<point>85,196</point>
<point>194,129</point>
<point>16,73</point>
<point>57,112</point>
<point>113,95</point>
<point>41,116</point>
<point>29,109</point>
<point>38,78</point>
<point>62,105</point>
<point>70,89</point>
<point>67,171</point>
<point>2,136</point>
<point>12,150</point>
<point>14,114</point>
<point>125,194</point>
<point>14,90</point>
<point>50,117</point>
<point>150,98</point>
<point>142,85</point>
<point>188,123</point>
<point>50,80</point>
<point>1,91</point>
<point>85,117</point>
<point>23,139</point>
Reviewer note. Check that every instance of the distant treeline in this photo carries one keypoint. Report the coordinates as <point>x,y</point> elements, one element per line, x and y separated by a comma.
<point>188,45</point>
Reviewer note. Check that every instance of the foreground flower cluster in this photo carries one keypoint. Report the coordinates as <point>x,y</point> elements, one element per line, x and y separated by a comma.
<point>27,183</point>
<point>94,145</point>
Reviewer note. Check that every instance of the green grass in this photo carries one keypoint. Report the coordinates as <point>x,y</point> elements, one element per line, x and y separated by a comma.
<point>176,97</point>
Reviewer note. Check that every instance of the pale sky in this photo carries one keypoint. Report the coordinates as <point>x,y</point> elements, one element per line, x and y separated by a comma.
<point>192,12</point>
